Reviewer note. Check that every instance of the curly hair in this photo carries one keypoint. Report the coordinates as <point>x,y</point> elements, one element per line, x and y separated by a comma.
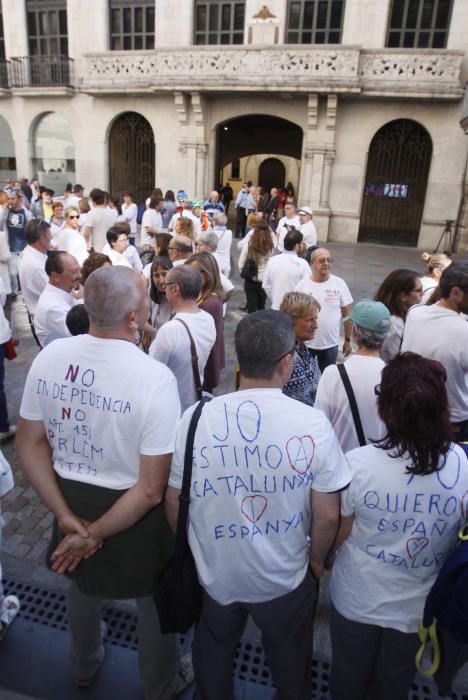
<point>413,404</point>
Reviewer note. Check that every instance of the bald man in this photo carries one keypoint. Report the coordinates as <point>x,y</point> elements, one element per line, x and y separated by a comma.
<point>335,301</point>
<point>95,440</point>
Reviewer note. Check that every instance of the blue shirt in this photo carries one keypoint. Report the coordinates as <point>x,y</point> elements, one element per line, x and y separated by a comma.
<point>15,223</point>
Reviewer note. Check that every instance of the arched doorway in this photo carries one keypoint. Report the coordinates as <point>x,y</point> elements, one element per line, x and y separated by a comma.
<point>395,185</point>
<point>247,148</point>
<point>271,173</point>
<point>131,156</point>
<point>53,152</point>
<point>7,152</point>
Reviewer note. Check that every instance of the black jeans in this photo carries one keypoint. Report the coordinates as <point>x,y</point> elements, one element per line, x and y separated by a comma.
<point>254,295</point>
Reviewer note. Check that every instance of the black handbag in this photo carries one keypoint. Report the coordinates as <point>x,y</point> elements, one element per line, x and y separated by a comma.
<point>250,268</point>
<point>178,594</point>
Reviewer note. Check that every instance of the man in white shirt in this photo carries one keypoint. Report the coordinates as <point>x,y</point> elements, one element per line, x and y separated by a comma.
<point>371,323</point>
<point>57,298</point>
<point>98,220</point>
<point>188,212</point>
<point>289,219</point>
<point>172,344</point>
<point>31,268</point>
<point>307,226</point>
<point>76,197</point>
<point>96,435</point>
<point>334,297</point>
<point>440,333</point>
<point>264,507</point>
<point>151,223</point>
<point>283,272</point>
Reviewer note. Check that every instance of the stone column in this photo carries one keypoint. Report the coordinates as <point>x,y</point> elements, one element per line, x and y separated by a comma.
<point>15,28</point>
<point>326,177</point>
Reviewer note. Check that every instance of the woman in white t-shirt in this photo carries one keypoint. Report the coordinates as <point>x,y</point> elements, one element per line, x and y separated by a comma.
<point>130,213</point>
<point>435,265</point>
<point>400,520</point>
<point>399,291</point>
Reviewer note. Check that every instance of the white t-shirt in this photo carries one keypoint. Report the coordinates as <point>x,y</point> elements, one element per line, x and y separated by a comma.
<point>404,528</point>
<point>74,243</point>
<point>51,313</point>
<point>130,213</point>
<point>152,219</point>
<point>441,334</point>
<point>98,418</point>
<point>223,251</point>
<point>392,343</point>
<point>282,274</point>
<point>172,347</point>
<point>332,296</point>
<point>428,284</point>
<point>100,220</point>
<point>281,229</point>
<point>257,455</point>
<point>189,215</point>
<point>364,374</point>
<point>32,275</point>
<point>309,232</point>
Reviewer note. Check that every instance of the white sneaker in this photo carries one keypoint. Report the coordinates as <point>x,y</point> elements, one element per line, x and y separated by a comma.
<point>4,437</point>
<point>185,676</point>
<point>8,612</point>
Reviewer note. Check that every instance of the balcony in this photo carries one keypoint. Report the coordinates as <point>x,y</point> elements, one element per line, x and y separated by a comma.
<point>332,68</point>
<point>41,72</point>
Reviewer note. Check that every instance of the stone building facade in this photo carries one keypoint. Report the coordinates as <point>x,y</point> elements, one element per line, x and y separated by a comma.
<point>357,103</point>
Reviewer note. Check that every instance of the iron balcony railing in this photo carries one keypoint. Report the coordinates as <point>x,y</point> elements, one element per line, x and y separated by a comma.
<point>4,64</point>
<point>41,71</point>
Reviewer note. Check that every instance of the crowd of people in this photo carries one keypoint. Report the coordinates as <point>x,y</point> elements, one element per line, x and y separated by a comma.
<point>356,467</point>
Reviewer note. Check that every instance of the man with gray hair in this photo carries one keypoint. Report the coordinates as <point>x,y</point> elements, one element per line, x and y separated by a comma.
<point>370,324</point>
<point>266,474</point>
<point>95,441</point>
<point>180,249</point>
<point>191,329</point>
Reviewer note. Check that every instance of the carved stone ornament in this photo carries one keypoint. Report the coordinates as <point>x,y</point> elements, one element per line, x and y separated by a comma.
<point>264,14</point>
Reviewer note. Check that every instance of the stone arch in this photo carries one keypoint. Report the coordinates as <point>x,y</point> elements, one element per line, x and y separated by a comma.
<point>7,152</point>
<point>53,150</point>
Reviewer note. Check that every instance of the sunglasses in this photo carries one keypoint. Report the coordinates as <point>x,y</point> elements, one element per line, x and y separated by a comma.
<point>73,217</point>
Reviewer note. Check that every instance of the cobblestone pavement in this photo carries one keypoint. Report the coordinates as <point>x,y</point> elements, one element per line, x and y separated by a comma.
<point>27,521</point>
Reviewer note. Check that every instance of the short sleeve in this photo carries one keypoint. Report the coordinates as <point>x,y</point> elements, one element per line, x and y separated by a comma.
<point>30,406</point>
<point>158,433</point>
<point>346,297</point>
<point>334,472</point>
<point>178,457</point>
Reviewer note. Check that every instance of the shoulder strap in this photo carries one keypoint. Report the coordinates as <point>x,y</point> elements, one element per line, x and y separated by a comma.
<point>352,404</point>
<point>193,351</point>
<point>184,496</point>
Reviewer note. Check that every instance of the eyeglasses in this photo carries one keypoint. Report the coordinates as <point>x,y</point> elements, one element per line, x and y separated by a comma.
<point>325,260</point>
<point>290,352</point>
<point>73,217</point>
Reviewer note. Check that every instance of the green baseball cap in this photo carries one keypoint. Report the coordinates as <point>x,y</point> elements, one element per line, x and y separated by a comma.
<point>372,315</point>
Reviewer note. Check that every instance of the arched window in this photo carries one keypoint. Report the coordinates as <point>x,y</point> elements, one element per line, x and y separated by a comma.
<point>419,23</point>
<point>131,24</point>
<point>219,22</point>
<point>54,151</point>
<point>314,21</point>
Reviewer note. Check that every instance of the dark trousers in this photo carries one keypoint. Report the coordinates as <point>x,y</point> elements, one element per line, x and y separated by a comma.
<point>241,222</point>
<point>254,295</point>
<point>370,662</point>
<point>287,628</point>
<point>326,357</point>
<point>4,424</point>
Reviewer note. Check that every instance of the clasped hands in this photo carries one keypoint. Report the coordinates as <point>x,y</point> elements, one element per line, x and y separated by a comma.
<point>79,543</point>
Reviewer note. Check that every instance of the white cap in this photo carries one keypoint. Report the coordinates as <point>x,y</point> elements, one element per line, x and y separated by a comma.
<point>305,210</point>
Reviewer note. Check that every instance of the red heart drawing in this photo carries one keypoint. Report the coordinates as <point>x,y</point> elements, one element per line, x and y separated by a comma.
<point>253,507</point>
<point>415,546</point>
<point>301,452</point>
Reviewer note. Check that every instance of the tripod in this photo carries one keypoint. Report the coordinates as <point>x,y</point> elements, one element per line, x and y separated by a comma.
<point>447,238</point>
